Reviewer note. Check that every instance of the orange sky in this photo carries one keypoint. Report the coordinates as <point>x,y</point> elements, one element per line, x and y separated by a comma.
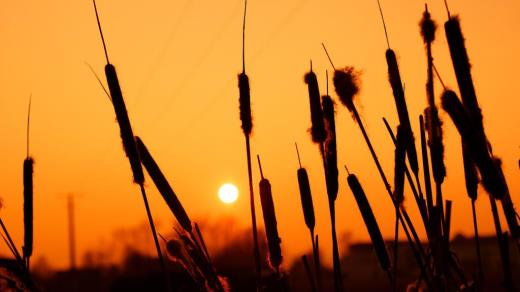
<point>177,63</point>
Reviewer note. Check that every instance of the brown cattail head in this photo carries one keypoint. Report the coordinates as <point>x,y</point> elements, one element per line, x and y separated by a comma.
<point>428,27</point>
<point>317,128</point>
<point>245,104</point>
<point>434,128</point>
<point>400,165</point>
<point>476,145</point>
<point>347,85</point>
<point>331,156</point>
<point>306,198</point>
<point>271,228</point>
<point>470,174</point>
<point>124,123</point>
<point>397,88</point>
<point>370,222</point>
<point>28,206</point>
<point>163,186</point>
<point>462,67</point>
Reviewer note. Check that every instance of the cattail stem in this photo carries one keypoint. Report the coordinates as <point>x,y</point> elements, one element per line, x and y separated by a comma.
<point>477,246</point>
<point>502,245</point>
<point>155,238</point>
<point>256,249</point>
<point>415,245</point>
<point>308,272</point>
<point>426,170</point>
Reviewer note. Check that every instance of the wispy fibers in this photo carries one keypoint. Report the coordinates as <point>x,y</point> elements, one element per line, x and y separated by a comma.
<point>308,212</point>
<point>347,81</point>
<point>271,228</point>
<point>371,224</point>
<point>331,178</point>
<point>247,127</point>
<point>433,122</point>
<point>129,145</point>
<point>28,198</point>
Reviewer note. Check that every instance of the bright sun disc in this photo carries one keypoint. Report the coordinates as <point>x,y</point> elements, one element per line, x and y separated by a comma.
<point>228,193</point>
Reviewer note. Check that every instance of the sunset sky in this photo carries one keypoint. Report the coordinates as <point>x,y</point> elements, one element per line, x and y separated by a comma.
<point>178,63</point>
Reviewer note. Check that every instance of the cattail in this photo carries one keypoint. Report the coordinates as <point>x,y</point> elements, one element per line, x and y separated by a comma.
<point>475,144</point>
<point>347,85</point>
<point>397,88</point>
<point>306,196</point>
<point>271,229</point>
<point>317,127</point>
<point>163,186</point>
<point>124,123</point>
<point>370,222</point>
<point>462,67</point>
<point>331,156</point>
<point>400,165</point>
<point>428,27</point>
<point>434,127</point>
<point>470,174</point>
<point>245,104</point>
<point>28,206</point>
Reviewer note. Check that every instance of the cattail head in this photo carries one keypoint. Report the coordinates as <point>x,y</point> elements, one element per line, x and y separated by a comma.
<point>476,144</point>
<point>434,127</point>
<point>470,174</point>
<point>317,128</point>
<point>163,186</point>
<point>331,156</point>
<point>428,27</point>
<point>245,104</point>
<point>127,135</point>
<point>271,228</point>
<point>28,206</point>
<point>370,222</point>
<point>400,165</point>
<point>347,85</point>
<point>306,198</point>
<point>462,67</point>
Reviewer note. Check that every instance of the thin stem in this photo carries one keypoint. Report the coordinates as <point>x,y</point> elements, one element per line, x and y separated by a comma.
<point>415,245</point>
<point>99,80</point>
<point>438,76</point>
<point>28,123</point>
<point>155,238</point>
<point>260,166</point>
<point>447,8</point>
<point>244,39</point>
<point>328,56</point>
<point>256,249</point>
<point>298,154</point>
<point>309,273</point>
<point>477,245</point>
<point>396,248</point>
<point>384,24</point>
<point>101,32</point>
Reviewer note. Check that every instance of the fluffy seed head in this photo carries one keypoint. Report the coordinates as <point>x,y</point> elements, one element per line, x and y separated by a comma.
<point>347,84</point>
<point>428,27</point>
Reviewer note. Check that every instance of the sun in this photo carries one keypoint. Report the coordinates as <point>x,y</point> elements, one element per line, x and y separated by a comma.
<point>228,193</point>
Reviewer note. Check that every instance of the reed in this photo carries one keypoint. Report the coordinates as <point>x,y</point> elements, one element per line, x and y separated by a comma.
<point>317,129</point>
<point>399,166</point>
<point>28,165</point>
<point>129,144</point>
<point>370,223</point>
<point>271,229</point>
<point>247,127</point>
<point>163,186</point>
